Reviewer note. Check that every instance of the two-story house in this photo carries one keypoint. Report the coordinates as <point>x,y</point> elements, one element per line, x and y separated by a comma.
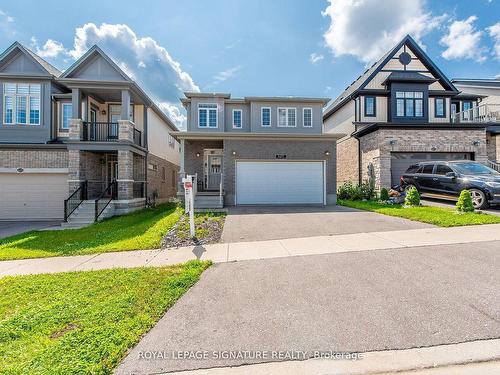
<point>257,150</point>
<point>403,110</point>
<point>84,142</point>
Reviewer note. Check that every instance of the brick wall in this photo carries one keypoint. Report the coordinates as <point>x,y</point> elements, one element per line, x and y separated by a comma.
<point>165,187</point>
<point>33,158</point>
<point>376,147</point>
<point>268,149</point>
<point>347,161</point>
<point>493,147</point>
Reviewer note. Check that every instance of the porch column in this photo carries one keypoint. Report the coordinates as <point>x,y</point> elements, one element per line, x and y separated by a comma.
<point>75,123</point>
<point>125,126</point>
<point>125,115</point>
<point>125,178</point>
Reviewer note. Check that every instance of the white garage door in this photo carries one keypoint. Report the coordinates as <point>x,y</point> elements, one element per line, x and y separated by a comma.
<point>279,182</point>
<point>32,196</point>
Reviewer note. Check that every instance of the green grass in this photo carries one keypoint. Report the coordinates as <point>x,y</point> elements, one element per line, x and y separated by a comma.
<point>143,229</point>
<point>84,322</point>
<point>440,216</point>
<point>201,222</point>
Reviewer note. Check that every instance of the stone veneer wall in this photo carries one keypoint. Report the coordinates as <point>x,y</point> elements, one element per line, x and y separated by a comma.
<point>375,147</point>
<point>347,161</point>
<point>268,149</point>
<point>166,188</point>
<point>33,158</point>
<point>493,147</point>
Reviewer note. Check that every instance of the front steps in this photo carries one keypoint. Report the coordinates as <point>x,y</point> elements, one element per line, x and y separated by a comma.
<point>204,200</point>
<point>84,215</point>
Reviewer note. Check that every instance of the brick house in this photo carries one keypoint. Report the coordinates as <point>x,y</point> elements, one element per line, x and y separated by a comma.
<point>75,142</point>
<point>403,110</point>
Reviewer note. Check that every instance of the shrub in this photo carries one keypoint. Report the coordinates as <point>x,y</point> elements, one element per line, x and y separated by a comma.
<point>384,194</point>
<point>349,191</point>
<point>367,190</point>
<point>412,197</point>
<point>464,203</point>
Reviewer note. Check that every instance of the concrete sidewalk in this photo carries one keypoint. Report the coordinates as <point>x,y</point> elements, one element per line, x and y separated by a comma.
<point>229,252</point>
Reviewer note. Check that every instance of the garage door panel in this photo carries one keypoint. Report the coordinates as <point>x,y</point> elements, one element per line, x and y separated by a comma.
<point>32,196</point>
<point>279,183</point>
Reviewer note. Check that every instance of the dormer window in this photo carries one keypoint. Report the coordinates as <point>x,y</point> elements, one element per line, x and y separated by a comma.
<point>370,109</point>
<point>21,103</point>
<point>207,115</point>
<point>409,104</point>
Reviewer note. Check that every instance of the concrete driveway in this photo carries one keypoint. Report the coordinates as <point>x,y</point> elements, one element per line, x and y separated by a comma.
<point>10,228</point>
<point>279,222</point>
<point>349,302</point>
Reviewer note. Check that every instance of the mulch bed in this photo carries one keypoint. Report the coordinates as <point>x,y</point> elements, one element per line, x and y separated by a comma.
<point>211,227</point>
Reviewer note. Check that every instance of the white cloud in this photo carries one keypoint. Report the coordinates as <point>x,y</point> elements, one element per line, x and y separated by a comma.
<point>50,49</point>
<point>494,32</point>
<point>367,29</point>
<point>315,57</point>
<point>463,41</point>
<point>225,75</point>
<point>141,58</point>
<point>4,17</point>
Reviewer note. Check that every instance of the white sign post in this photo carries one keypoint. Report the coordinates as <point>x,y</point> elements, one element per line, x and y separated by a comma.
<point>189,202</point>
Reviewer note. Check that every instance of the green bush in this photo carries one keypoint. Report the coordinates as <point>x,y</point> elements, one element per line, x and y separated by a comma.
<point>412,197</point>
<point>349,191</point>
<point>367,190</point>
<point>384,194</point>
<point>464,203</point>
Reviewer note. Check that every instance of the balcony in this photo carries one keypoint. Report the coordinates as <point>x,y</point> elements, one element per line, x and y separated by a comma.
<point>485,113</point>
<point>107,132</point>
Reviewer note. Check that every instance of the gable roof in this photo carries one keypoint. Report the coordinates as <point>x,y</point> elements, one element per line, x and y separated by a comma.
<point>44,65</point>
<point>361,82</point>
<point>87,57</point>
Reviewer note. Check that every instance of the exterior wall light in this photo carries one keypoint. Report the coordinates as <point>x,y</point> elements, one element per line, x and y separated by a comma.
<point>392,142</point>
<point>327,153</point>
<point>476,143</point>
<point>234,153</point>
<point>197,154</point>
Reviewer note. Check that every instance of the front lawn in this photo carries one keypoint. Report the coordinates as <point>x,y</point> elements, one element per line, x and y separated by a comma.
<point>84,322</point>
<point>440,216</point>
<point>143,229</point>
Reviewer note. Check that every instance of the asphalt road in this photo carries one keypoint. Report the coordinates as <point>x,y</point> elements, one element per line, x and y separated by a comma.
<point>346,302</point>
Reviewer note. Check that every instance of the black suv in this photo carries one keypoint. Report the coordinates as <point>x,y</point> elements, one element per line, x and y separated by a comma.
<point>446,179</point>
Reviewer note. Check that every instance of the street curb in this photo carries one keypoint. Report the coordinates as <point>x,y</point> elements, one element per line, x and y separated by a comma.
<point>377,362</point>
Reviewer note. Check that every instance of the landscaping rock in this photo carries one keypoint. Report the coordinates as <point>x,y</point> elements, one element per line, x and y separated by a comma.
<point>208,228</point>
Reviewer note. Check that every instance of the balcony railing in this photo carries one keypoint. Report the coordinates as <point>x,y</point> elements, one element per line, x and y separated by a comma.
<point>485,113</point>
<point>137,137</point>
<point>100,131</point>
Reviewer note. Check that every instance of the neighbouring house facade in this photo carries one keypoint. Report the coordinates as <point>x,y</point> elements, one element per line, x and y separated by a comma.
<point>257,150</point>
<point>70,138</point>
<point>403,110</point>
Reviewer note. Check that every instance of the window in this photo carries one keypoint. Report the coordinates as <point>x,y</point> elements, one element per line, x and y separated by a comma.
<point>265,116</point>
<point>439,107</point>
<point>207,115</point>
<point>409,103</point>
<point>22,103</point>
<point>307,117</point>
<point>152,167</point>
<point>237,113</point>
<point>428,169</point>
<point>442,169</point>
<point>66,113</point>
<point>370,110</point>
<point>287,117</point>
<point>115,112</point>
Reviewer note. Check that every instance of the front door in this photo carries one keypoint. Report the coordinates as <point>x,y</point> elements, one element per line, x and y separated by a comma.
<point>214,172</point>
<point>112,173</point>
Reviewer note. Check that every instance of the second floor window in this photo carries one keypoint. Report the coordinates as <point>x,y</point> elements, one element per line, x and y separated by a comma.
<point>439,107</point>
<point>66,113</point>
<point>287,117</point>
<point>307,117</point>
<point>237,118</point>
<point>409,104</point>
<point>370,106</point>
<point>22,103</point>
<point>265,116</point>
<point>207,115</point>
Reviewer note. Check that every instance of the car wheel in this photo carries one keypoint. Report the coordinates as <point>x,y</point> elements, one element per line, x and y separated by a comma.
<point>479,200</point>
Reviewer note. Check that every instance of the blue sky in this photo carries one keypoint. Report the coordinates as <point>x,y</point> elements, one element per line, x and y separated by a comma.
<point>273,47</point>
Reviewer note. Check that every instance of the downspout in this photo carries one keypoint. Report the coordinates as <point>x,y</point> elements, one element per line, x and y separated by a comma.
<point>145,126</point>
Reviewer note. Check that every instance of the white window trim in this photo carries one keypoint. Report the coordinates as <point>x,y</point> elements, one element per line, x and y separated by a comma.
<point>241,118</point>
<point>262,117</point>
<point>61,122</point>
<point>304,117</point>
<point>287,119</point>
<point>28,105</point>
<point>208,119</point>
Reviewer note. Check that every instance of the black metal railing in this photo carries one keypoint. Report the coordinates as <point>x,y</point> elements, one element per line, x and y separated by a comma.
<point>105,198</point>
<point>139,189</point>
<point>74,200</point>
<point>137,137</point>
<point>100,131</point>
